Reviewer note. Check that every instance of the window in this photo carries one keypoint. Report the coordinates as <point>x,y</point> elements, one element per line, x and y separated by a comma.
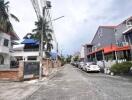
<point>100,33</point>
<point>129,23</point>
<point>1,60</point>
<point>6,42</point>
<point>32,58</point>
<point>0,40</point>
<point>115,30</point>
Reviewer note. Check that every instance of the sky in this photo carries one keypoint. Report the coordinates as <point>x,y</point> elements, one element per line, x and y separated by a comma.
<point>80,22</point>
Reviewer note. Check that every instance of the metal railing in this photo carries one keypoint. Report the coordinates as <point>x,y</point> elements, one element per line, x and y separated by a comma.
<point>28,50</point>
<point>5,66</point>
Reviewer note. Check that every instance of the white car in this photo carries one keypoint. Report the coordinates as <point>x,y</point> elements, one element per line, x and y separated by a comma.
<point>91,67</point>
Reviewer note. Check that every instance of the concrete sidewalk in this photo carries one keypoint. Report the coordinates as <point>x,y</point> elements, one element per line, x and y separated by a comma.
<point>21,90</point>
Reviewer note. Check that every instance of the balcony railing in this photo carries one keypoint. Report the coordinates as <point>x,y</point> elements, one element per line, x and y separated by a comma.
<point>5,66</point>
<point>29,50</point>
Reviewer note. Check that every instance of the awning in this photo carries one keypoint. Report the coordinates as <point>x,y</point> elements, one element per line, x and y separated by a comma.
<point>110,49</point>
<point>30,41</point>
<point>53,55</point>
<point>95,51</point>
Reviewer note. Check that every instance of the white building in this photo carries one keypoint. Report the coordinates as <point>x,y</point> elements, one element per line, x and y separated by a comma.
<point>6,47</point>
<point>23,54</point>
<point>84,51</point>
<point>28,50</point>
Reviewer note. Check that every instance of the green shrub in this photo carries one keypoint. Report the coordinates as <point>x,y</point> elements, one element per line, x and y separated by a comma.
<point>115,68</point>
<point>121,68</point>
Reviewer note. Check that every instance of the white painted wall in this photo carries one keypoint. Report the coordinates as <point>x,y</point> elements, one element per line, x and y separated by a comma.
<point>83,52</point>
<point>5,51</point>
<point>25,55</point>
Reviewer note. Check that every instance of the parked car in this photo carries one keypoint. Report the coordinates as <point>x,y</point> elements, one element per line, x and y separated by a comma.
<point>81,64</point>
<point>91,67</point>
<point>75,63</point>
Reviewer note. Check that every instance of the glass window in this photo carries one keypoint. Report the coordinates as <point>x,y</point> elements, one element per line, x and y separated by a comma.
<point>100,33</point>
<point>32,58</point>
<point>6,42</point>
<point>1,59</point>
<point>0,40</point>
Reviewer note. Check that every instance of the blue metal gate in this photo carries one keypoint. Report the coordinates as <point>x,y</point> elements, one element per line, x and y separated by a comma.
<point>31,68</point>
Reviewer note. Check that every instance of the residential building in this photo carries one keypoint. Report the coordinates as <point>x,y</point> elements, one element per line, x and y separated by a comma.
<point>7,40</point>
<point>84,51</point>
<point>112,42</point>
<point>28,51</point>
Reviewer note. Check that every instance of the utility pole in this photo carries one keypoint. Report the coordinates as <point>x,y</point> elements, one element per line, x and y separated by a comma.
<point>42,39</point>
<point>57,50</point>
<point>45,5</point>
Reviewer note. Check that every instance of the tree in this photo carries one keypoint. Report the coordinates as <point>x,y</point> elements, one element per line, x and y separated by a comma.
<point>76,58</point>
<point>5,15</point>
<point>47,35</point>
<point>29,36</point>
<point>68,58</point>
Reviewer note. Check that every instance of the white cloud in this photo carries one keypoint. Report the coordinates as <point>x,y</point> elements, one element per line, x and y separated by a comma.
<point>82,17</point>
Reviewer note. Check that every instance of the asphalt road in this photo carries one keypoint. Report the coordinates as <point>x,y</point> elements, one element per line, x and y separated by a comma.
<point>73,84</point>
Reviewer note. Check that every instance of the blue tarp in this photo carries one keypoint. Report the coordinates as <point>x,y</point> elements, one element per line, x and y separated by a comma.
<point>30,41</point>
<point>53,55</point>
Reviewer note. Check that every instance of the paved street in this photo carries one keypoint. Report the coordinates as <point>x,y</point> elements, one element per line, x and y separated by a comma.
<point>73,84</point>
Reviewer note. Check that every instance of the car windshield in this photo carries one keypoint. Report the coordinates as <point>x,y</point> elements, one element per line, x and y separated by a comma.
<point>91,63</point>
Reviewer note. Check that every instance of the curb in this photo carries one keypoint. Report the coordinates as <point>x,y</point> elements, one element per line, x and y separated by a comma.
<point>54,73</point>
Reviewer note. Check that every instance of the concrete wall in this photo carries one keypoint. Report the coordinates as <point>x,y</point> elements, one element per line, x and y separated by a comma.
<point>25,54</point>
<point>84,52</point>
<point>49,65</point>
<point>5,50</point>
<point>15,74</point>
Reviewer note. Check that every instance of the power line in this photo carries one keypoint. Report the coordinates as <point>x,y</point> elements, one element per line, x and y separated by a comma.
<point>36,8</point>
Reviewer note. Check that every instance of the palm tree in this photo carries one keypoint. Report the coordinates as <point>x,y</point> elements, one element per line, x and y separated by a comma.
<point>5,24</point>
<point>47,35</point>
<point>29,36</point>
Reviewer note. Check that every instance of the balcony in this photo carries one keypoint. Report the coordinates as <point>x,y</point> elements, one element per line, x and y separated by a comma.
<point>4,49</point>
<point>31,50</point>
<point>5,66</point>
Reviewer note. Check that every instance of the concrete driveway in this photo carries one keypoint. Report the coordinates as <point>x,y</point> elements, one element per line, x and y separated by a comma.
<point>73,84</point>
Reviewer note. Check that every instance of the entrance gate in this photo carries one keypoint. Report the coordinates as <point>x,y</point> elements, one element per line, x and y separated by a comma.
<point>31,69</point>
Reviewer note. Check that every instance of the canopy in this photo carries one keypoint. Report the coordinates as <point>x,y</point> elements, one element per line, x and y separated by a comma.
<point>53,55</point>
<point>30,41</point>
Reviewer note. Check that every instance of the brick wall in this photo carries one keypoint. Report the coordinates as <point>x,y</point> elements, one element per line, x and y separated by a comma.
<point>12,74</point>
<point>48,65</point>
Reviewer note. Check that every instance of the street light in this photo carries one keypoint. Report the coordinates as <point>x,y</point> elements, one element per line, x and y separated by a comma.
<point>56,18</point>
